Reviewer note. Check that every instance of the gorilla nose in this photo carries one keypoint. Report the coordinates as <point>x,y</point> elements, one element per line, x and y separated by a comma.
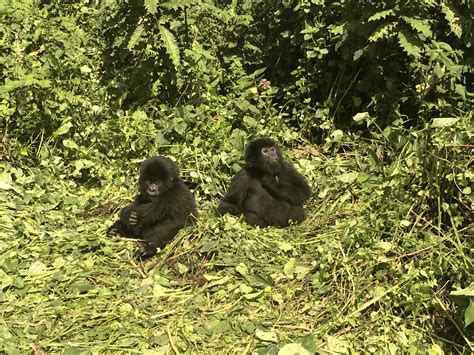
<point>152,188</point>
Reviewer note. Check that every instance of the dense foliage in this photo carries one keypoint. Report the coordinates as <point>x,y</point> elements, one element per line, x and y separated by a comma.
<point>373,102</point>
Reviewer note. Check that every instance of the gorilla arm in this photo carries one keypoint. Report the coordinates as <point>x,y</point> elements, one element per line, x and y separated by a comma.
<point>234,199</point>
<point>288,185</point>
<point>126,224</point>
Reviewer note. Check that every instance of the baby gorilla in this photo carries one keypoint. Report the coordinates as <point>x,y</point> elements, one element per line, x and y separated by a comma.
<point>162,207</point>
<point>268,191</point>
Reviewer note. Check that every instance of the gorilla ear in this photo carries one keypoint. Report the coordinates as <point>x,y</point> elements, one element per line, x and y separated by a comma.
<point>251,155</point>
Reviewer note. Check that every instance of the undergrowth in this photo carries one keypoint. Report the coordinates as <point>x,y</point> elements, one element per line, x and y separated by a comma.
<point>355,276</point>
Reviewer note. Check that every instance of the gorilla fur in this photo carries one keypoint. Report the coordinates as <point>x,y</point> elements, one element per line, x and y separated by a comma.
<point>268,191</point>
<point>162,207</point>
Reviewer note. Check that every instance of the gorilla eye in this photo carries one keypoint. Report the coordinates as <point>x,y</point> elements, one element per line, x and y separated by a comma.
<point>265,150</point>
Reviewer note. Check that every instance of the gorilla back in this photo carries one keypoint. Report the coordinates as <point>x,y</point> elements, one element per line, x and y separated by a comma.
<point>268,191</point>
<point>162,207</point>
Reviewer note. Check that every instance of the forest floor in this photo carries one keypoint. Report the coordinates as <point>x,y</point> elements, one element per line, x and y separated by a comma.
<point>353,277</point>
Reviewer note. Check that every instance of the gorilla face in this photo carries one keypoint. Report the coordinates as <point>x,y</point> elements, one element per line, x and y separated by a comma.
<point>269,159</point>
<point>263,154</point>
<point>152,188</point>
<point>156,176</point>
<point>269,153</point>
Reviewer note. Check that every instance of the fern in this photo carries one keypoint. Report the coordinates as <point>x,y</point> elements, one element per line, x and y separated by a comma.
<point>421,26</point>
<point>135,37</point>
<point>170,44</point>
<point>381,15</point>
<point>409,43</point>
<point>383,31</point>
<point>151,6</point>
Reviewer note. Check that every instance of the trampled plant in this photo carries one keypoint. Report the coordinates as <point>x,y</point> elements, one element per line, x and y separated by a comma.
<point>372,102</point>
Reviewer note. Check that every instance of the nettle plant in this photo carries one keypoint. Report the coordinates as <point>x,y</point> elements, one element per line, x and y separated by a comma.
<point>391,58</point>
<point>174,51</point>
<point>49,73</point>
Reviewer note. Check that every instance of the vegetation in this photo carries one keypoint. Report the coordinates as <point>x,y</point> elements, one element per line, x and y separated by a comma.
<point>371,100</point>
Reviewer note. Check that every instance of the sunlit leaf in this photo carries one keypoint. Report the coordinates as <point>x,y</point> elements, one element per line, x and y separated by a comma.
<point>289,268</point>
<point>469,313</point>
<point>151,6</point>
<point>348,177</point>
<point>136,36</point>
<point>444,122</point>
<point>269,336</point>
<point>170,44</point>
<point>293,349</point>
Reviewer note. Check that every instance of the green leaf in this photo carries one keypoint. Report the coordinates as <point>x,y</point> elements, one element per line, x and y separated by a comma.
<point>336,135</point>
<point>361,116</point>
<point>362,177</point>
<point>293,349</point>
<point>266,336</point>
<point>285,246</point>
<point>444,122</point>
<point>358,53</point>
<point>36,267</point>
<point>136,37</point>
<point>208,246</point>
<point>409,43</point>
<point>85,69</point>
<point>242,269</point>
<point>70,144</point>
<point>182,269</point>
<point>289,268</point>
<point>381,15</point>
<point>170,44</point>
<point>151,6</point>
<point>243,105</point>
<point>250,122</point>
<point>467,292</point>
<point>418,25</point>
<point>179,126</point>
<point>63,129</point>
<point>452,19</point>
<point>29,80</point>
<point>383,31</point>
<point>6,181</point>
<point>259,281</point>
<point>277,297</point>
<point>469,314</point>
<point>81,286</point>
<point>253,295</point>
<point>348,177</point>
<point>309,343</point>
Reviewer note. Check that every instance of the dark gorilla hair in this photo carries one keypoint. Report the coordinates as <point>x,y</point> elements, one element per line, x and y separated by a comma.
<point>255,161</point>
<point>268,191</point>
<point>162,207</point>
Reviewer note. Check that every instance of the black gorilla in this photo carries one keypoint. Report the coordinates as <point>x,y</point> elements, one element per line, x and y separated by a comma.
<point>268,191</point>
<point>163,206</point>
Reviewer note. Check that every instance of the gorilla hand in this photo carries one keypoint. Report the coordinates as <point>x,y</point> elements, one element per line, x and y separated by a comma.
<point>133,219</point>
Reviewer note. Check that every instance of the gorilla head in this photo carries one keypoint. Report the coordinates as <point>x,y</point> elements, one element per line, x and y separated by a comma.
<point>263,154</point>
<point>162,207</point>
<point>156,176</point>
